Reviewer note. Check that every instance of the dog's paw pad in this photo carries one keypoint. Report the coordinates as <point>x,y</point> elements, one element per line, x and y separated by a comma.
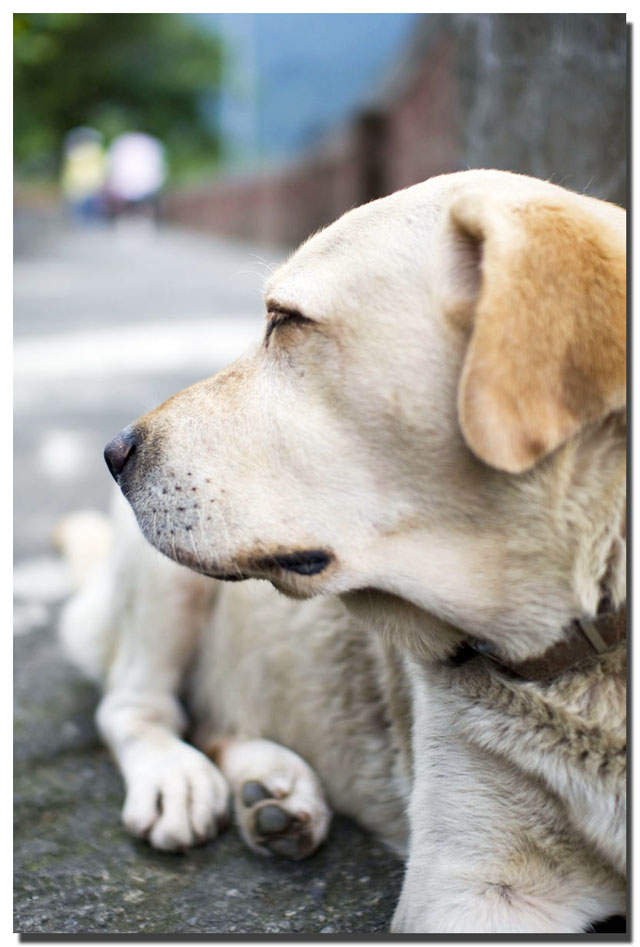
<point>276,830</point>
<point>273,828</point>
<point>254,791</point>
<point>272,819</point>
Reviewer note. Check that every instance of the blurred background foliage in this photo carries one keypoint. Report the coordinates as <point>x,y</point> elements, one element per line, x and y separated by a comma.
<point>115,72</point>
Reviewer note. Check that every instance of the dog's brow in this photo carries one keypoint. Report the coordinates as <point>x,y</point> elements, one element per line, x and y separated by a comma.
<point>278,314</point>
<point>275,307</point>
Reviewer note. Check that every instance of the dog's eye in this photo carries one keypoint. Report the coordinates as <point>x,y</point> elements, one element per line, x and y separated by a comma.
<point>279,316</point>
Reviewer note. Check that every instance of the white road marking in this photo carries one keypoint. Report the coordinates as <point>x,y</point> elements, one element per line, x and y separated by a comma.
<point>29,616</point>
<point>41,580</point>
<point>199,344</point>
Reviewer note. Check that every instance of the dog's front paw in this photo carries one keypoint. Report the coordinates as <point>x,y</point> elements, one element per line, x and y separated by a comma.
<point>275,825</point>
<point>279,803</point>
<point>176,797</point>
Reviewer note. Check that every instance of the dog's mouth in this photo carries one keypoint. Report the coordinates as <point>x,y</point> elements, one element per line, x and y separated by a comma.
<point>305,562</point>
<point>175,528</point>
<point>275,567</point>
<point>296,571</point>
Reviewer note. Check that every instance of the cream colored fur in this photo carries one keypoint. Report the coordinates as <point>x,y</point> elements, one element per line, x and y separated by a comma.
<point>440,410</point>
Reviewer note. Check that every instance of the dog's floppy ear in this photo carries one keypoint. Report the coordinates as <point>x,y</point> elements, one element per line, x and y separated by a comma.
<point>542,287</point>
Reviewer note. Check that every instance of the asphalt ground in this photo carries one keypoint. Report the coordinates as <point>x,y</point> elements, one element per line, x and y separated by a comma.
<point>108,322</point>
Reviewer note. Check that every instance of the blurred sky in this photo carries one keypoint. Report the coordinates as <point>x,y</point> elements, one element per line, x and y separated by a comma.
<point>291,77</point>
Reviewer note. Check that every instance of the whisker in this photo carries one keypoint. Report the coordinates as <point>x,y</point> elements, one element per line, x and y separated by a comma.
<point>195,549</point>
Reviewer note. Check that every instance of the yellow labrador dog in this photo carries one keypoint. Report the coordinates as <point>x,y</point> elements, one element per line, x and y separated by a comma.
<point>425,453</point>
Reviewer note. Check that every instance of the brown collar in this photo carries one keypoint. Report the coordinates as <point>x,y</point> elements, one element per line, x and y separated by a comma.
<point>585,640</point>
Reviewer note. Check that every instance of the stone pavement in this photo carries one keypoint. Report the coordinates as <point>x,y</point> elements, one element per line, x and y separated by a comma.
<point>108,324</point>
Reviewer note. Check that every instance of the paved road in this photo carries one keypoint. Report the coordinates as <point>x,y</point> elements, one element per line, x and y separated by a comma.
<point>108,324</point>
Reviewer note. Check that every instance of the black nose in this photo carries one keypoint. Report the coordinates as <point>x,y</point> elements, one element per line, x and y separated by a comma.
<point>118,451</point>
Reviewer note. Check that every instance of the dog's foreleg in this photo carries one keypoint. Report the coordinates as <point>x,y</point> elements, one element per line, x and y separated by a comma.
<point>175,796</point>
<point>491,851</point>
<point>585,766</point>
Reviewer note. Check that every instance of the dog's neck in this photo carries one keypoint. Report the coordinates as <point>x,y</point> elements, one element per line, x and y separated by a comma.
<point>427,638</point>
<point>411,629</point>
<point>556,556</point>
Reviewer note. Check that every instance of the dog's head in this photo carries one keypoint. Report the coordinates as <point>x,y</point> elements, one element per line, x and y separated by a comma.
<point>437,377</point>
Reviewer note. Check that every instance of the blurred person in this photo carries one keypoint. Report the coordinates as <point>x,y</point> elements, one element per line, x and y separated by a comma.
<point>135,175</point>
<point>84,174</point>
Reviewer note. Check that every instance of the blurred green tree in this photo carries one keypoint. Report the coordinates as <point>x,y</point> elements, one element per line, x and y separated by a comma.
<point>153,72</point>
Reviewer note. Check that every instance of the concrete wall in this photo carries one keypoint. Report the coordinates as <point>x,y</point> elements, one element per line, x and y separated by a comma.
<point>545,95</point>
<point>542,94</point>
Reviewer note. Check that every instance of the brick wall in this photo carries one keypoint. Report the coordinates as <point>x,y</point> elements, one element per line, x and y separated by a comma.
<point>285,205</point>
<point>543,94</point>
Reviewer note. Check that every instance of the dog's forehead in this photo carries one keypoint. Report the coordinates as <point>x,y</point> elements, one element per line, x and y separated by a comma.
<point>369,246</point>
